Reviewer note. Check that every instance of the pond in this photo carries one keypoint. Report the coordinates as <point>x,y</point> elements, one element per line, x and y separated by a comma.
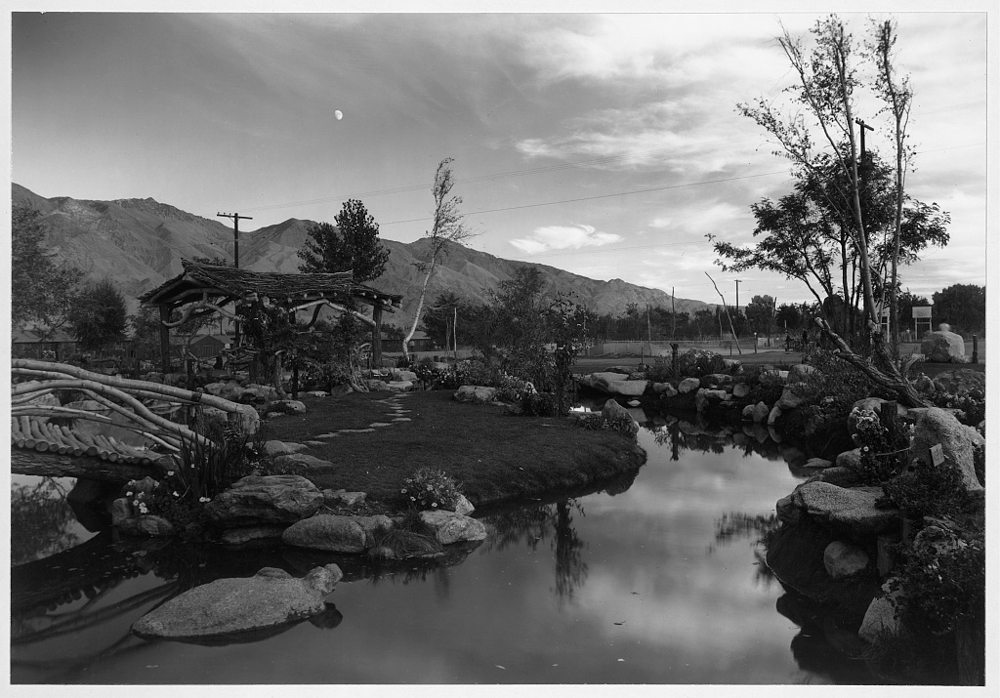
<point>662,583</point>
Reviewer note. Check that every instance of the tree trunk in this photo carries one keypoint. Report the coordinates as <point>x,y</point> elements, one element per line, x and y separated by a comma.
<point>420,305</point>
<point>894,382</point>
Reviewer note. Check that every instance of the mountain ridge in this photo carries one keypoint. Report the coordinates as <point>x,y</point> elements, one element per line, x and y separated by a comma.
<point>139,243</point>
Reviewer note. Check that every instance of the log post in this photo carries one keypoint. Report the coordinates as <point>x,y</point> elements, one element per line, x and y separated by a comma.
<point>377,336</point>
<point>164,339</point>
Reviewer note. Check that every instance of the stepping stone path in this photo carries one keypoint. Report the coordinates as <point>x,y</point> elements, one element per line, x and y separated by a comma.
<point>395,411</point>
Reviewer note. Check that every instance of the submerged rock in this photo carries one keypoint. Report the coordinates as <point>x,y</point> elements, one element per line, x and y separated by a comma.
<point>227,607</point>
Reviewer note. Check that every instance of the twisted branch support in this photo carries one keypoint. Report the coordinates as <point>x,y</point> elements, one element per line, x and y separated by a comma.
<point>894,381</point>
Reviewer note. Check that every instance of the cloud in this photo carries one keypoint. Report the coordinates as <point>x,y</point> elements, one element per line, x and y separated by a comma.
<point>561,237</point>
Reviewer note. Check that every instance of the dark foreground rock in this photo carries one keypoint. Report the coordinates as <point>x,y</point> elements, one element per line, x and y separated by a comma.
<point>267,499</point>
<point>228,607</point>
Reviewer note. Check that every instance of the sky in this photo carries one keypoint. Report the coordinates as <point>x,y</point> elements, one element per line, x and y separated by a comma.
<point>607,145</point>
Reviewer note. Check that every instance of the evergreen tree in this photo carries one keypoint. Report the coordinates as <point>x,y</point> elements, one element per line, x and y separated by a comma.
<point>98,315</point>
<point>41,288</point>
<point>353,244</point>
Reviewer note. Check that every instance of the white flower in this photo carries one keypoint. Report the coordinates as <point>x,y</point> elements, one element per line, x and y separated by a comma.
<point>176,495</point>
<point>170,473</point>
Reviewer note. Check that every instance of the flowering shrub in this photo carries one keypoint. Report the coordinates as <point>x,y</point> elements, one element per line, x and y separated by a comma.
<point>700,362</point>
<point>163,498</point>
<point>429,488</point>
<point>971,406</point>
<point>882,457</point>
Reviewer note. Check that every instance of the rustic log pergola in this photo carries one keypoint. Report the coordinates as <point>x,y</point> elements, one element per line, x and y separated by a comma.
<point>208,288</point>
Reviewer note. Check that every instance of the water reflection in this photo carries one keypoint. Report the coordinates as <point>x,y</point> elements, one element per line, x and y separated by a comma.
<point>535,524</point>
<point>43,522</point>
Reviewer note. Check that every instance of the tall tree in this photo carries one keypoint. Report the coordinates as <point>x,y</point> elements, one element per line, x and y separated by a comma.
<point>352,244</point>
<point>448,227</point>
<point>40,287</point>
<point>760,312</point>
<point>963,306</point>
<point>98,315</point>
<point>897,96</point>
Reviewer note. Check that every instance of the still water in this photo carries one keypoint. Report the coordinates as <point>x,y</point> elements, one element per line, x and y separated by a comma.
<point>660,583</point>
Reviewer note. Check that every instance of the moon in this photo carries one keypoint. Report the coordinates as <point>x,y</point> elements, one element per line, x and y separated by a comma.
<point>339,114</point>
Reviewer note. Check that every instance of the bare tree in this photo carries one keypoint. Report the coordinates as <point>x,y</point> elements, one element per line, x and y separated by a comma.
<point>898,97</point>
<point>448,227</point>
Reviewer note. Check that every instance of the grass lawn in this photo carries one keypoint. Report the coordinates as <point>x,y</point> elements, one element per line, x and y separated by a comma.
<point>496,456</point>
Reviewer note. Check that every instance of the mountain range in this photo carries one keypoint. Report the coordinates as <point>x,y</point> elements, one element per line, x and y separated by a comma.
<point>139,244</point>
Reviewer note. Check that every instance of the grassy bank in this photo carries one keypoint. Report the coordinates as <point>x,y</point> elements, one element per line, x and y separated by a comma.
<point>496,456</point>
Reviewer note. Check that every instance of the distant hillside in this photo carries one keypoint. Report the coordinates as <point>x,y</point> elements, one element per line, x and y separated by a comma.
<point>139,243</point>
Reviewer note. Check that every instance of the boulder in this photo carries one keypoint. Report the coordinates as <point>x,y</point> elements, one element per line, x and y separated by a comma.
<point>881,615</point>
<point>817,463</point>
<point>369,524</point>
<point>688,385</point>
<point>943,346</point>
<point>615,414</point>
<point>301,461</point>
<point>747,413</point>
<point>338,534</point>
<point>849,511</point>
<point>450,527</point>
<point>287,406</point>
<point>790,398</point>
<point>799,373</point>
<point>773,415</point>
<point>147,525</point>
<point>707,398</point>
<point>621,370</point>
<point>844,560</point>
<point>475,394</point>
<point>664,389</point>
<point>964,380</point>
<point>265,499</point>
<point>741,390</point>
<point>274,447</point>
<point>255,392</point>
<point>400,375</point>
<point>343,498</point>
<point>842,477</point>
<point>628,388</point>
<point>399,386</point>
<point>376,385</point>
<point>715,380</point>
<point>463,506</point>
<point>317,393</point>
<point>849,459</point>
<point>230,390</point>
<point>937,426</point>
<point>228,607</point>
<point>760,413</point>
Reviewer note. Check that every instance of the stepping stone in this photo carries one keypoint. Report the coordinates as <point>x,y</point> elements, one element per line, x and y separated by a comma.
<point>317,443</point>
<point>379,424</point>
<point>356,431</point>
<point>402,419</point>
<point>328,435</point>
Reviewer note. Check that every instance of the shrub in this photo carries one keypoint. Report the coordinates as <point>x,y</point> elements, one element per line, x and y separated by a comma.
<point>699,362</point>
<point>662,369</point>
<point>539,405</point>
<point>882,455</point>
<point>971,406</point>
<point>944,582</point>
<point>928,490</point>
<point>429,488</point>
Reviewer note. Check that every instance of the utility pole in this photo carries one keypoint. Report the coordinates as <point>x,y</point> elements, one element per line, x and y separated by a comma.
<point>738,282</point>
<point>673,314</point>
<point>236,234</point>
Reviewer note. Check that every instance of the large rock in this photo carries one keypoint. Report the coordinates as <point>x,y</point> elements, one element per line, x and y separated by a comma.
<point>616,415</point>
<point>302,461</point>
<point>760,413</point>
<point>664,389</point>
<point>275,447</point>
<point>715,380</point>
<point>614,384</point>
<point>400,375</point>
<point>287,406</point>
<point>226,608</point>
<point>399,386</point>
<point>450,527</point>
<point>741,390</point>
<point>688,385</point>
<point>338,534</point>
<point>475,394</point>
<point>790,398</point>
<point>936,426</point>
<point>265,499</point>
<point>849,511</point>
<point>943,346</point>
<point>881,615</point>
<point>707,398</point>
<point>844,560</point>
<point>799,373</point>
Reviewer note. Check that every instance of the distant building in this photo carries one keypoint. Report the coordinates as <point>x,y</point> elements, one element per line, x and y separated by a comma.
<point>210,345</point>
<point>41,344</point>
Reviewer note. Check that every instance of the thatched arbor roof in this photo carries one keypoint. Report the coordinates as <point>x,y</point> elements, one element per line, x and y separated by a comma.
<point>229,283</point>
<point>206,287</point>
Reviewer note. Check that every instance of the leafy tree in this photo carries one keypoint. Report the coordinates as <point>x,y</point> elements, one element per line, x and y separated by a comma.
<point>448,227</point>
<point>352,244</point>
<point>760,312</point>
<point>41,288</point>
<point>963,306</point>
<point>98,315</point>
<point>439,320</point>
